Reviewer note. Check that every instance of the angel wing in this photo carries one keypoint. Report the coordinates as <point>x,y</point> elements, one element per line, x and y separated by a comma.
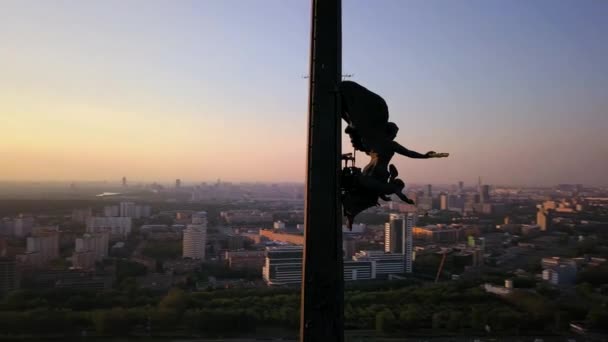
<point>364,111</point>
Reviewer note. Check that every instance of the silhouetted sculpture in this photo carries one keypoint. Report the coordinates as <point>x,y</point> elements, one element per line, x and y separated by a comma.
<point>370,131</point>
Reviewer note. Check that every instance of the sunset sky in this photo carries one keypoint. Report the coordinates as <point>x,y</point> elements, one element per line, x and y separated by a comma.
<point>516,91</point>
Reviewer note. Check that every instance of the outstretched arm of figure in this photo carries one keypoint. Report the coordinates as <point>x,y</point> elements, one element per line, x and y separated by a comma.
<point>408,153</point>
<point>413,154</point>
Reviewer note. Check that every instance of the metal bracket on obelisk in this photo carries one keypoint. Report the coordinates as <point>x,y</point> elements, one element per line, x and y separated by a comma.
<point>322,308</point>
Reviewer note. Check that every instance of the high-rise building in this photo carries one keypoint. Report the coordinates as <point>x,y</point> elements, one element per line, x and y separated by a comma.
<point>97,243</point>
<point>456,203</point>
<point>235,242</point>
<point>41,248</point>
<point>544,218</point>
<point>425,202</point>
<point>398,237</point>
<point>84,260</point>
<point>116,226</point>
<point>81,215</point>
<point>409,245</point>
<point>127,209</point>
<point>349,247</point>
<point>132,210</point>
<point>111,211</point>
<point>394,234</point>
<point>194,240</point>
<point>443,201</point>
<point>200,217</point>
<point>22,226</point>
<point>429,190</point>
<point>484,195</point>
<point>124,182</point>
<point>482,244</point>
<point>9,279</point>
<point>178,183</point>
<point>89,249</point>
<point>46,243</point>
<point>6,227</point>
<point>460,186</point>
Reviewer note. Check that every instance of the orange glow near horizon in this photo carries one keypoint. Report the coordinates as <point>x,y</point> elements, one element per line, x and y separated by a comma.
<point>98,90</point>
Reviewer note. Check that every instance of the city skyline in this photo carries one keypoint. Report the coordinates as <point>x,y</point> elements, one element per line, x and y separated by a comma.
<point>515,92</point>
<point>190,184</point>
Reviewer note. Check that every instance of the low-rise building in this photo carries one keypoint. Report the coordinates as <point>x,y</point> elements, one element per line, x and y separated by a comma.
<point>384,264</point>
<point>559,271</point>
<point>296,239</point>
<point>438,233</point>
<point>283,265</point>
<point>245,259</point>
<point>359,270</point>
<point>530,230</point>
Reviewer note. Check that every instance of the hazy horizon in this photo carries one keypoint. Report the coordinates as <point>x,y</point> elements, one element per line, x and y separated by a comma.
<point>516,91</point>
<point>136,183</point>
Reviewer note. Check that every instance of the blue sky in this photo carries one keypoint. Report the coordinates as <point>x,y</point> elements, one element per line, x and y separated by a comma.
<point>517,91</point>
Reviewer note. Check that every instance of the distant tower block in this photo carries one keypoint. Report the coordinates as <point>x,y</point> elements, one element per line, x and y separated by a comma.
<point>461,186</point>
<point>124,182</point>
<point>443,201</point>
<point>398,237</point>
<point>484,195</point>
<point>394,236</point>
<point>194,240</point>
<point>178,183</point>
<point>544,218</point>
<point>429,190</point>
<point>410,222</point>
